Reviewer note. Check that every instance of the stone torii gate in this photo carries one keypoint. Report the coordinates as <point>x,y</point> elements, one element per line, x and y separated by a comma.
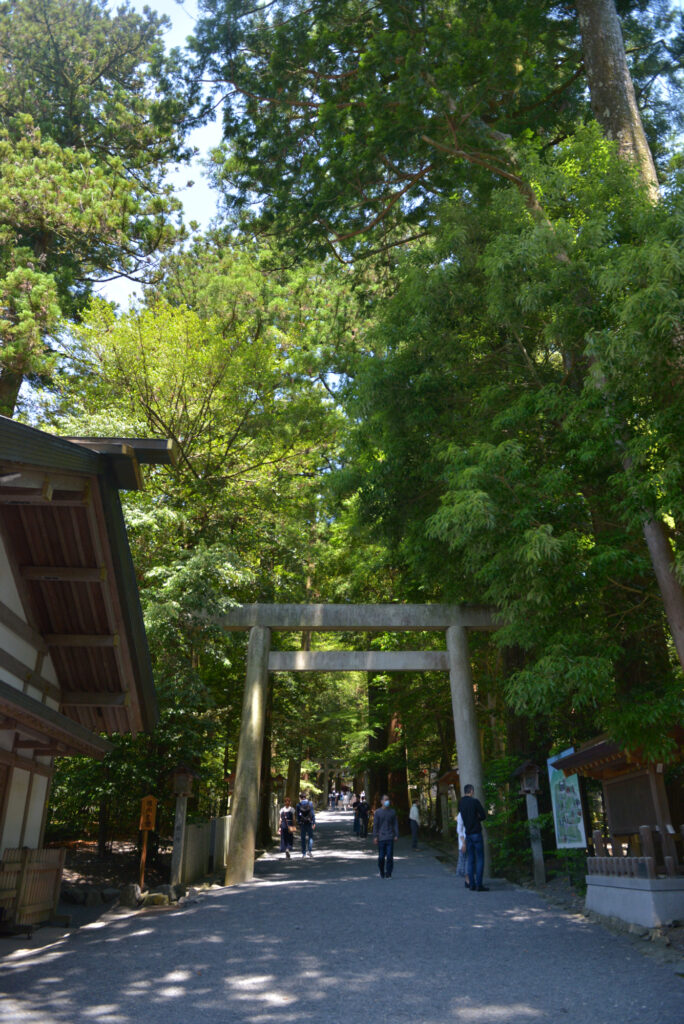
<point>262,619</point>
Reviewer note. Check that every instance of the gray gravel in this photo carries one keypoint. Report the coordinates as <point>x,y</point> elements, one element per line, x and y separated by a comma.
<point>327,941</point>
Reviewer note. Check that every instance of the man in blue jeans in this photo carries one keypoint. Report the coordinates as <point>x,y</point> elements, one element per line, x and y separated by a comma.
<point>473,814</point>
<point>385,831</point>
<point>306,819</point>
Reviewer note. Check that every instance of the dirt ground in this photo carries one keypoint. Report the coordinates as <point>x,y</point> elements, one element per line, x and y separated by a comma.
<point>122,865</point>
<point>665,945</point>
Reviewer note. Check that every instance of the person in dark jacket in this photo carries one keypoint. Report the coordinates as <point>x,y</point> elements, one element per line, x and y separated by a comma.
<point>306,819</point>
<point>364,811</point>
<point>473,814</point>
<point>385,831</point>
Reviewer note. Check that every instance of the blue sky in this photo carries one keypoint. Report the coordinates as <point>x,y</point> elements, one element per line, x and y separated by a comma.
<point>199,202</point>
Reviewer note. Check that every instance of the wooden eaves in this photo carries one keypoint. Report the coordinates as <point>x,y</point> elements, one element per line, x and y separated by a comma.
<point>62,525</point>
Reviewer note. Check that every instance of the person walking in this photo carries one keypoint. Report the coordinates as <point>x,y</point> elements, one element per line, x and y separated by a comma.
<point>414,822</point>
<point>363,812</point>
<point>385,831</point>
<point>473,814</point>
<point>355,809</point>
<point>306,819</point>
<point>287,827</point>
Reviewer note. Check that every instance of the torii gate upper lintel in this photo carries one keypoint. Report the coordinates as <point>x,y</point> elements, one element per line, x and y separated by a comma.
<point>261,619</point>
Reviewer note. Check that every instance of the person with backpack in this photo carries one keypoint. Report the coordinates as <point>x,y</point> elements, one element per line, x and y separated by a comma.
<point>306,819</point>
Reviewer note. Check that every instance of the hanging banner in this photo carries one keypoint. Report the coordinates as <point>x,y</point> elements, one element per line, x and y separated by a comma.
<point>568,818</point>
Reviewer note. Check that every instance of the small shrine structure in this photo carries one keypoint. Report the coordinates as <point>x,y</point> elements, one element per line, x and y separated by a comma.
<point>637,870</point>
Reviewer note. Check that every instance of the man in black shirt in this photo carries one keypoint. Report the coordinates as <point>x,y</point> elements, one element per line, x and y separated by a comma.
<point>473,814</point>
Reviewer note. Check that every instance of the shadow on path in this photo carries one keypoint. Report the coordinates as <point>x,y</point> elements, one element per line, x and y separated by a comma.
<point>326,940</point>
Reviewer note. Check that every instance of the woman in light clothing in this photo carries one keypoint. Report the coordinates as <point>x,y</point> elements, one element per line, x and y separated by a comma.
<point>462,860</point>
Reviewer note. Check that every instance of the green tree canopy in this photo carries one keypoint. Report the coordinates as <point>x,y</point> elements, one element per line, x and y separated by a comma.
<point>347,123</point>
<point>92,111</point>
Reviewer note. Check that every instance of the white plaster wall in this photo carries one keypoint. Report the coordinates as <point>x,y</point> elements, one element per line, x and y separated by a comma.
<point>19,778</point>
<point>8,591</point>
<point>35,814</point>
<point>19,648</point>
<point>19,783</point>
<point>10,679</point>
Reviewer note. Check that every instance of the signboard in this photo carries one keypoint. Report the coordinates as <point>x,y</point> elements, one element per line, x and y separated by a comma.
<point>148,813</point>
<point>567,807</point>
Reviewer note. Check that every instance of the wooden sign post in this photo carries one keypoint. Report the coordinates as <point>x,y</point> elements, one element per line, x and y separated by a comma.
<point>148,815</point>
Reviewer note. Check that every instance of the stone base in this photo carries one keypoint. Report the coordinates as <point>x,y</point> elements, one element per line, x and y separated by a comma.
<point>649,902</point>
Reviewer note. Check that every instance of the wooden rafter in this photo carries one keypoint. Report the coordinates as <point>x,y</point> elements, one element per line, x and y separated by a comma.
<point>81,639</point>
<point>78,699</point>
<point>64,573</point>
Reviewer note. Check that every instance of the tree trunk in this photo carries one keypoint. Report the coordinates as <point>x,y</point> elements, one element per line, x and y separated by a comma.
<point>10,385</point>
<point>397,777</point>
<point>264,836</point>
<point>377,743</point>
<point>614,104</point>
<point>103,827</point>
<point>294,770</point>
<point>613,100</point>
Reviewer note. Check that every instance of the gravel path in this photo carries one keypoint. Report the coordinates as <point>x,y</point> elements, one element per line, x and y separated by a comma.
<point>326,941</point>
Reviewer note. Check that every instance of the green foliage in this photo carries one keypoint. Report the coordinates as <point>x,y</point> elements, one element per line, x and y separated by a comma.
<point>91,113</point>
<point>351,119</point>
<point>355,117</point>
<point>507,824</point>
<point>235,522</point>
<point>483,431</point>
<point>487,414</point>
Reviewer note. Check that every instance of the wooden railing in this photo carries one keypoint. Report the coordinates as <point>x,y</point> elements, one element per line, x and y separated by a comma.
<point>645,865</point>
<point>29,885</point>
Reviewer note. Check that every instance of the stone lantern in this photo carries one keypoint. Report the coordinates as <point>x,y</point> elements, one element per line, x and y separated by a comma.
<point>181,780</point>
<point>528,774</point>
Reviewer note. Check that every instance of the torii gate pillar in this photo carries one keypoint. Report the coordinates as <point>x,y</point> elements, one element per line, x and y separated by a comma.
<point>465,721</point>
<point>240,867</point>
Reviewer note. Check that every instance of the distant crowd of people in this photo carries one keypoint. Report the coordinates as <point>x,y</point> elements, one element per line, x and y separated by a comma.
<point>382,821</point>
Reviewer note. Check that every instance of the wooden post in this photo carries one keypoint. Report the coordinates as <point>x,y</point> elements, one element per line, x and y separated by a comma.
<point>178,840</point>
<point>245,806</point>
<point>143,858</point>
<point>535,839</point>
<point>21,882</point>
<point>646,840</point>
<point>599,845</point>
<point>148,818</point>
<point>444,806</point>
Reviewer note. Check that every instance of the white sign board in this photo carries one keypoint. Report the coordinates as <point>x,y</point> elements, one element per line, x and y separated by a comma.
<point>567,807</point>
